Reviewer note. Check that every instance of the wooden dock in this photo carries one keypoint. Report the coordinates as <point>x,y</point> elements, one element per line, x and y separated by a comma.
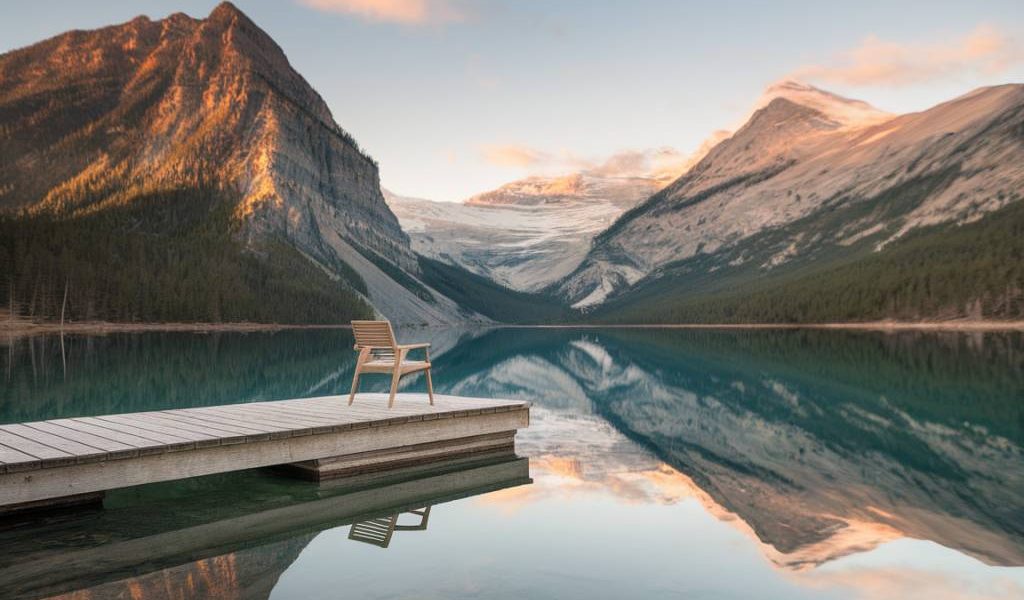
<point>74,460</point>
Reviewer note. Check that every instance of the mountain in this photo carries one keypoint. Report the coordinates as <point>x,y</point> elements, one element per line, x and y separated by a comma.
<point>844,112</point>
<point>823,208</point>
<point>529,233</point>
<point>189,153</point>
<point>524,246</point>
<point>620,192</point>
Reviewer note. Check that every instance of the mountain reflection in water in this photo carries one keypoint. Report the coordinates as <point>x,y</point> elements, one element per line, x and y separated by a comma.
<point>823,443</point>
<point>815,445</point>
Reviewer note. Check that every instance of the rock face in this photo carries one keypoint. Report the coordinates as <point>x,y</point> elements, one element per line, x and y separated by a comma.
<point>804,154</point>
<point>95,119</point>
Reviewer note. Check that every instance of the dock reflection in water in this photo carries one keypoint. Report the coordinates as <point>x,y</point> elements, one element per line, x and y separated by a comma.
<point>224,536</point>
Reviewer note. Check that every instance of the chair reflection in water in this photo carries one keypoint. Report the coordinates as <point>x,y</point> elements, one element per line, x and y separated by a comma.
<point>378,531</point>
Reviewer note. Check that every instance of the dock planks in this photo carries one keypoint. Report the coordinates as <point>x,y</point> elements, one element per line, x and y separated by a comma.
<point>70,456</point>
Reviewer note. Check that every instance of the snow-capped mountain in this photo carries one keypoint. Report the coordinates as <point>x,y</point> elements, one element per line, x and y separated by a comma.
<point>810,177</point>
<point>845,112</point>
<point>538,191</point>
<point>522,246</point>
<point>530,233</point>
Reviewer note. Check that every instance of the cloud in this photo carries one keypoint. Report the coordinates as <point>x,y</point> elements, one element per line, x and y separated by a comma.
<point>986,50</point>
<point>406,12</point>
<point>658,163</point>
<point>661,164</point>
<point>512,155</point>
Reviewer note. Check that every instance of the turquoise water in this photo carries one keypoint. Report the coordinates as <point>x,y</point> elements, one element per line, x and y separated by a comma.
<point>662,464</point>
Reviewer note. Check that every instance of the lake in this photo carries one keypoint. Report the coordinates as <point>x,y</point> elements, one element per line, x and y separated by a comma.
<point>662,464</point>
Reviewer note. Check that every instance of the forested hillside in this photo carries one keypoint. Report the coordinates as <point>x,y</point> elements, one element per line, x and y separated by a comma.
<point>166,257</point>
<point>940,272</point>
<point>491,299</point>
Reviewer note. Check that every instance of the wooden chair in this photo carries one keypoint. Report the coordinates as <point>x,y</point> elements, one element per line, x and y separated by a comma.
<point>380,353</point>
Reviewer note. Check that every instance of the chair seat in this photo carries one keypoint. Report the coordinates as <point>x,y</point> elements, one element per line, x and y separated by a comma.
<point>386,365</point>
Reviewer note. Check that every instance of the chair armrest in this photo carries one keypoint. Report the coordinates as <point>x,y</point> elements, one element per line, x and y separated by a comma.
<point>412,346</point>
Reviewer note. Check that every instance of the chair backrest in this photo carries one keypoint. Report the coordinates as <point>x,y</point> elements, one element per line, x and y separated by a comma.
<point>376,335</point>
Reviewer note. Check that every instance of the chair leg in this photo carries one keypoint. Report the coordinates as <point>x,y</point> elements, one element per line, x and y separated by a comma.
<point>394,386</point>
<point>430,388</point>
<point>355,387</point>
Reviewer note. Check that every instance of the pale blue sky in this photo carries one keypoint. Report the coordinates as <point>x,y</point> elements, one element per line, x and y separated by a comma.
<point>429,86</point>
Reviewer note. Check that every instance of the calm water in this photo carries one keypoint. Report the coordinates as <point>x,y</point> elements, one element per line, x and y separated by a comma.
<point>664,464</point>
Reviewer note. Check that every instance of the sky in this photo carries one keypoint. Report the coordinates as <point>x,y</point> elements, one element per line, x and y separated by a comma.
<point>456,97</point>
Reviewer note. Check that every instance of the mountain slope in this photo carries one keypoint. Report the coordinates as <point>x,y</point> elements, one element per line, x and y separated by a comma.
<point>495,301</point>
<point>810,185</point>
<point>107,121</point>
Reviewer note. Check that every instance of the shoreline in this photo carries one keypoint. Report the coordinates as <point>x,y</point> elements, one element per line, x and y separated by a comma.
<point>23,328</point>
<point>966,326</point>
<point>20,329</point>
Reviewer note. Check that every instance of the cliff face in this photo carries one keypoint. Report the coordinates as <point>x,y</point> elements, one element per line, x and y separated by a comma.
<point>91,120</point>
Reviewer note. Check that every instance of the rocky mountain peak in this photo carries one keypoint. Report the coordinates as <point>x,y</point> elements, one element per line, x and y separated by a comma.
<point>844,112</point>
<point>226,12</point>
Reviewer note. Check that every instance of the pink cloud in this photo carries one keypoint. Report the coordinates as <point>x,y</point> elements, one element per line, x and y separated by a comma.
<point>512,155</point>
<point>661,164</point>
<point>986,50</point>
<point>407,12</point>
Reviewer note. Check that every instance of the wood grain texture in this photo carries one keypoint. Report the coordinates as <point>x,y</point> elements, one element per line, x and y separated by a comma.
<point>49,459</point>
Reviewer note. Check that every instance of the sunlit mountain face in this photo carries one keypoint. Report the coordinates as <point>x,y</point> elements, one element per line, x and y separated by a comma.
<point>190,153</point>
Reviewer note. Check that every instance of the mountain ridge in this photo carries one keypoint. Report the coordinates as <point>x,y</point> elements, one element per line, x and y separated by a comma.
<point>789,163</point>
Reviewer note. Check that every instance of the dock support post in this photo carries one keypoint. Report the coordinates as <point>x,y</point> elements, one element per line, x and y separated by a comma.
<point>332,467</point>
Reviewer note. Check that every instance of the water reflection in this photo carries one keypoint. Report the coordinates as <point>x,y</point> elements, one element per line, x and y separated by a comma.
<point>823,443</point>
<point>835,454</point>
<point>245,529</point>
<point>378,530</point>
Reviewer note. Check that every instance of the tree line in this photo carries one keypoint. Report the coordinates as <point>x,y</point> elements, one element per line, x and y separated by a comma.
<point>170,256</point>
